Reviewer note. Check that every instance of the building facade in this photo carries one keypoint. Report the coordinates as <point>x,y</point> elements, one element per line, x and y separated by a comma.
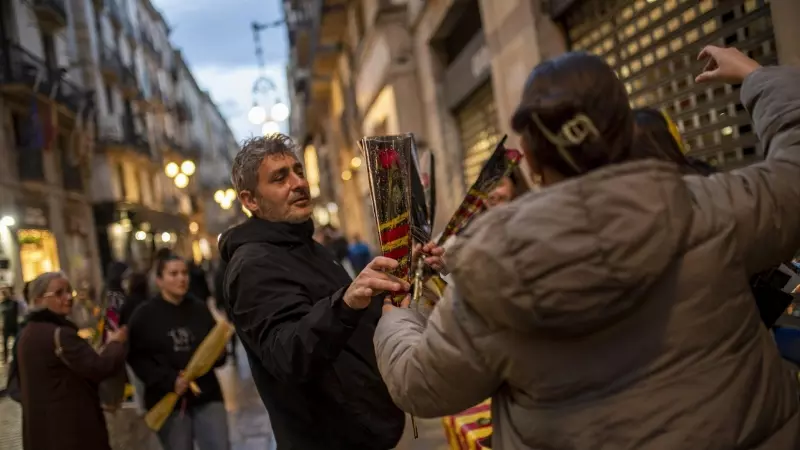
<point>452,72</point>
<point>105,132</point>
<point>47,140</point>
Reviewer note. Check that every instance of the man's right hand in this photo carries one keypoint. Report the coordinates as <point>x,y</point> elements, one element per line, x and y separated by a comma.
<point>373,280</point>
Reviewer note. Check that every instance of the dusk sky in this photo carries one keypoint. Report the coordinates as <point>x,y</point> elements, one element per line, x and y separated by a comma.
<point>217,43</point>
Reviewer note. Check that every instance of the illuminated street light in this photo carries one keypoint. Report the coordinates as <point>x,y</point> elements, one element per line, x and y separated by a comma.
<point>219,196</point>
<point>230,195</point>
<point>194,227</point>
<point>270,128</point>
<point>257,115</point>
<point>181,180</point>
<point>140,235</point>
<point>172,170</point>
<point>226,204</point>
<point>347,175</point>
<point>8,221</point>
<point>279,112</point>
<point>188,167</point>
<point>355,163</point>
<point>165,237</point>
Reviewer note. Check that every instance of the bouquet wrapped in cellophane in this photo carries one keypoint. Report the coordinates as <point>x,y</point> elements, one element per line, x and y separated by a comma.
<point>500,164</point>
<point>203,359</point>
<point>388,160</point>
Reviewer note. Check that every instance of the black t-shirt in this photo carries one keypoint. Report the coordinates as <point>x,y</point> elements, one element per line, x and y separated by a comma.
<point>163,337</point>
<point>10,313</point>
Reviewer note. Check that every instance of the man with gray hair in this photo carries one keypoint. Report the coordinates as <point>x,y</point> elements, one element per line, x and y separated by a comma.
<point>306,326</point>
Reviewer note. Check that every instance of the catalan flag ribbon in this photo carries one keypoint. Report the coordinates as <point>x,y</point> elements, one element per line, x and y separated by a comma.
<point>388,161</point>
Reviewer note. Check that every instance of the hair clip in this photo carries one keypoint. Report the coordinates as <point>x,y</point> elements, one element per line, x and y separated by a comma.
<point>572,133</point>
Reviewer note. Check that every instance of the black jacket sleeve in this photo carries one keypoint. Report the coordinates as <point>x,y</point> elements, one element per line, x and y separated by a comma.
<point>293,335</point>
<point>144,364</point>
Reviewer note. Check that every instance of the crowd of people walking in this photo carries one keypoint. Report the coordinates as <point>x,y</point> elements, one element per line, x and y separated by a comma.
<point>613,304</point>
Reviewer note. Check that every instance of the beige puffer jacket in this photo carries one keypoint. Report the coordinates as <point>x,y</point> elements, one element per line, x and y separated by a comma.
<point>613,311</point>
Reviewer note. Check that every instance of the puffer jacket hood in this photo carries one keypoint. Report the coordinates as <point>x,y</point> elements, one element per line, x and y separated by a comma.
<point>608,237</point>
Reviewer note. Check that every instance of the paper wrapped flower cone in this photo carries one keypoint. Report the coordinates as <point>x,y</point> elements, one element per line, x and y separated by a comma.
<point>388,160</point>
<point>203,359</point>
<point>500,165</point>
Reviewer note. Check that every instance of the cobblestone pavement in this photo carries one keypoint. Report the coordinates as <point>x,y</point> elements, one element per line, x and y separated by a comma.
<point>248,421</point>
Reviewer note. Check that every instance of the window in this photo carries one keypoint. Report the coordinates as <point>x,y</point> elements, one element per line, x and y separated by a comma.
<point>109,99</point>
<point>49,50</point>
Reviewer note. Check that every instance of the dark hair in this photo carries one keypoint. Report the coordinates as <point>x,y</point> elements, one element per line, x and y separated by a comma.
<point>653,140</point>
<point>161,264</point>
<point>244,173</point>
<point>114,275</point>
<point>138,285</point>
<point>561,89</point>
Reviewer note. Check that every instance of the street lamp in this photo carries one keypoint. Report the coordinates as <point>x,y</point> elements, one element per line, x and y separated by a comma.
<point>258,115</point>
<point>8,221</point>
<point>180,173</point>
<point>270,128</point>
<point>225,198</point>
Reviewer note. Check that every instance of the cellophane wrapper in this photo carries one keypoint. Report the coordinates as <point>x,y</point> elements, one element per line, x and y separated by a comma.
<point>500,165</point>
<point>203,360</point>
<point>388,160</point>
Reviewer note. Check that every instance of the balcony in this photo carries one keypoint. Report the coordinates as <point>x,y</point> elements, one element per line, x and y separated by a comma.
<point>111,65</point>
<point>130,84</point>
<point>150,46</point>
<point>115,14</point>
<point>22,74</point>
<point>52,14</point>
<point>71,174</point>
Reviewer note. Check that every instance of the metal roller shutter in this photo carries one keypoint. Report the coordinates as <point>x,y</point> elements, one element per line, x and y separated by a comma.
<point>653,45</point>
<point>478,130</point>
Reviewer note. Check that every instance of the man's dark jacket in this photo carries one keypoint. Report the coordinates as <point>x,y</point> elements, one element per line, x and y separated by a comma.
<point>312,356</point>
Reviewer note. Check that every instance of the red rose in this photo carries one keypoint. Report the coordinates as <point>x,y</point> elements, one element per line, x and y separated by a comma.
<point>513,155</point>
<point>388,158</point>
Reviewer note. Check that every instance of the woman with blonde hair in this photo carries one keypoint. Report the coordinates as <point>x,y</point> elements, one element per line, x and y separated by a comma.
<point>612,309</point>
<point>59,372</point>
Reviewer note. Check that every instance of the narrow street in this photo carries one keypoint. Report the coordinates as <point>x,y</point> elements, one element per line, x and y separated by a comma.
<point>247,418</point>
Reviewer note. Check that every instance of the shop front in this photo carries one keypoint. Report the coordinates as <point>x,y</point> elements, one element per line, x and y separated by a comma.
<point>653,48</point>
<point>38,247</point>
<point>470,98</point>
<point>133,233</point>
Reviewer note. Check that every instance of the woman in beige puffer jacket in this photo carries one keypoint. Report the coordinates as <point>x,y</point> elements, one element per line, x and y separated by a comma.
<point>612,310</point>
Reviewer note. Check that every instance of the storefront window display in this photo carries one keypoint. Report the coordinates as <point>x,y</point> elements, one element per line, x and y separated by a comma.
<point>38,253</point>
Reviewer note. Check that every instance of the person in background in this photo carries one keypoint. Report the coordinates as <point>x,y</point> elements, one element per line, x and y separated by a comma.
<point>10,310</point>
<point>198,282</point>
<point>137,293</point>
<point>616,311</point>
<point>359,254</point>
<point>657,137</point>
<point>510,187</point>
<point>306,325</point>
<point>164,334</point>
<point>114,293</point>
<point>160,254</point>
<point>59,373</point>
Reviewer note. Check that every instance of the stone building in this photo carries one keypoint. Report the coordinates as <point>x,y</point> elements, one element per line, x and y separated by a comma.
<point>47,139</point>
<point>452,72</point>
<point>105,131</point>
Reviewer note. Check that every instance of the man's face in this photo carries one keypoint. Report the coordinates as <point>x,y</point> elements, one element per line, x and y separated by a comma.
<point>282,193</point>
